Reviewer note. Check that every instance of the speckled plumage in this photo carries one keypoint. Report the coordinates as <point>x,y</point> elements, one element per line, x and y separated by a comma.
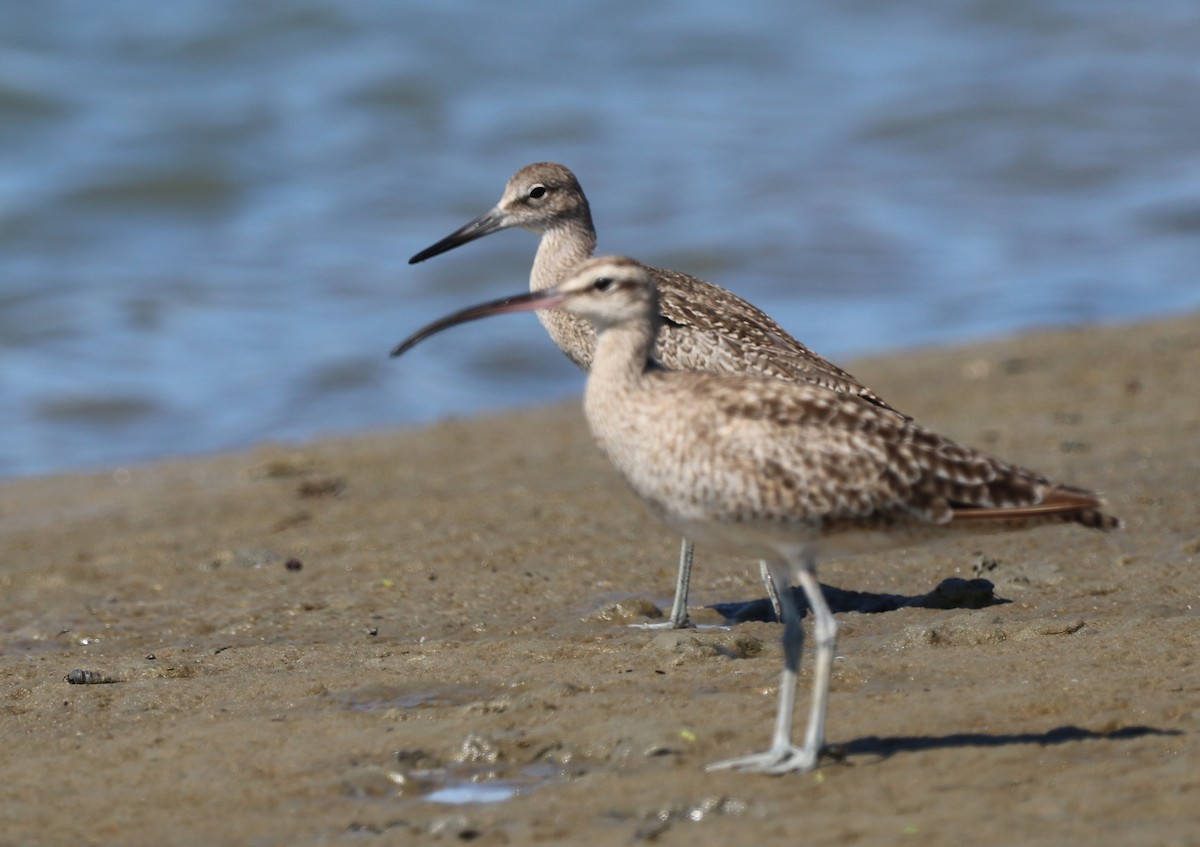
<point>777,470</point>
<point>703,326</point>
<point>803,462</point>
<point>794,457</point>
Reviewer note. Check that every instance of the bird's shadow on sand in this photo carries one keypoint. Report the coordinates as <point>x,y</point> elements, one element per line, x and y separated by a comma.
<point>875,746</point>
<point>952,593</point>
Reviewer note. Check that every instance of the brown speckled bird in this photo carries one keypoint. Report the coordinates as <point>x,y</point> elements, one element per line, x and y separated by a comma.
<point>703,326</point>
<point>777,470</point>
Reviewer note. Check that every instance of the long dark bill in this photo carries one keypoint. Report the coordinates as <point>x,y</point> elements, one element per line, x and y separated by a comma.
<point>485,224</point>
<point>531,302</point>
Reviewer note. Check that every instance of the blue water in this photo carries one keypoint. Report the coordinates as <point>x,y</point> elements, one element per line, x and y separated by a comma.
<point>206,206</point>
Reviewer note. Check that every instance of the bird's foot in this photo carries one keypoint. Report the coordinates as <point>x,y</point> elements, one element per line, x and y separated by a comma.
<point>775,761</point>
<point>667,625</point>
<point>686,623</point>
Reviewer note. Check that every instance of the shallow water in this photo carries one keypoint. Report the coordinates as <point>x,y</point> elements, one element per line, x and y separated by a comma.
<point>207,207</point>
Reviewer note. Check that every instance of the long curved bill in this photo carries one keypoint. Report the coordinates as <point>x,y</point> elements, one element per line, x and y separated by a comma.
<point>531,302</point>
<point>487,223</point>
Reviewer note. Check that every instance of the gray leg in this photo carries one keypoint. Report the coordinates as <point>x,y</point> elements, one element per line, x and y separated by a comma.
<point>772,590</point>
<point>679,614</point>
<point>783,756</point>
<point>825,627</point>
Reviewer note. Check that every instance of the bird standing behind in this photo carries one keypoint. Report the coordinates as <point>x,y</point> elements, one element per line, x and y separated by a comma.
<point>702,326</point>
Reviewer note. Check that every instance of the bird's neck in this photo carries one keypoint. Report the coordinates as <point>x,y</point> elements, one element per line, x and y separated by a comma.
<point>622,357</point>
<point>563,248</point>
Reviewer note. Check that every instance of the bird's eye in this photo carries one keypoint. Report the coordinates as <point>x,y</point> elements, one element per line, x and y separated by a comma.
<point>603,283</point>
<point>537,192</point>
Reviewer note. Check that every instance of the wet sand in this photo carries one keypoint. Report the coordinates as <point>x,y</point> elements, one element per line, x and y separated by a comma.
<point>332,643</point>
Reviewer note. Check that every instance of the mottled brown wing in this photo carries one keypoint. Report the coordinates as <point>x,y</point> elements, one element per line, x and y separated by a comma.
<point>839,456</point>
<point>756,343</point>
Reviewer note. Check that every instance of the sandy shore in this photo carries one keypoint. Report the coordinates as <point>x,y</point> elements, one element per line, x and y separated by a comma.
<point>332,643</point>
